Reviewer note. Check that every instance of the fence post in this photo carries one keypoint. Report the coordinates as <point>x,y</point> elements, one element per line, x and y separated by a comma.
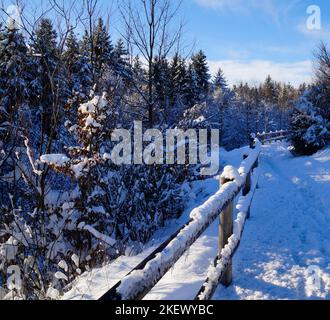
<point>252,142</point>
<point>247,187</point>
<point>226,230</point>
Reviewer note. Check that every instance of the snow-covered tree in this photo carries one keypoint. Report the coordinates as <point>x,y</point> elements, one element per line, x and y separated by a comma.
<point>320,93</point>
<point>222,98</point>
<point>161,74</point>
<point>97,47</point>
<point>220,81</point>
<point>191,90</point>
<point>14,96</point>
<point>77,67</point>
<point>178,78</point>
<point>309,129</point>
<point>200,74</point>
<point>113,205</point>
<point>121,61</point>
<point>50,84</point>
<point>13,70</point>
<point>103,49</point>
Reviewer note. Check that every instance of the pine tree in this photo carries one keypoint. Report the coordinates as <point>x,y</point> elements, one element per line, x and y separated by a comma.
<point>309,129</point>
<point>138,70</point>
<point>220,82</point>
<point>178,77</point>
<point>161,77</point>
<point>72,52</point>
<point>46,56</point>
<point>200,74</point>
<point>192,89</point>
<point>77,67</point>
<point>121,61</point>
<point>269,91</point>
<point>222,98</point>
<point>14,94</point>
<point>103,49</point>
<point>13,73</point>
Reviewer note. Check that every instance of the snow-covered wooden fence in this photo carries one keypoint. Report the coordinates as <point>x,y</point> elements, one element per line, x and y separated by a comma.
<point>230,234</point>
<point>139,282</point>
<point>273,136</point>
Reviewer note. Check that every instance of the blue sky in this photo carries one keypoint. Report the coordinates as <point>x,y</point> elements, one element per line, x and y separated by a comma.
<point>251,38</point>
<point>248,39</point>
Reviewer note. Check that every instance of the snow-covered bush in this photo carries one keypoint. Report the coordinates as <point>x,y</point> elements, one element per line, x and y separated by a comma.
<point>88,221</point>
<point>113,206</point>
<point>309,129</point>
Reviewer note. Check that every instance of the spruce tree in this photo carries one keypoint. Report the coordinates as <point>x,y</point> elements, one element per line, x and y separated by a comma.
<point>138,69</point>
<point>161,77</point>
<point>178,77</point>
<point>14,93</point>
<point>46,55</point>
<point>13,72</point>
<point>98,51</point>
<point>221,88</point>
<point>220,82</point>
<point>78,69</point>
<point>309,129</point>
<point>192,89</point>
<point>103,49</point>
<point>72,53</point>
<point>222,98</point>
<point>86,46</point>
<point>269,91</point>
<point>121,61</point>
<point>200,74</point>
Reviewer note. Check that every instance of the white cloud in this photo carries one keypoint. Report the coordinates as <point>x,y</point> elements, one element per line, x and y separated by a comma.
<point>220,4</point>
<point>323,33</point>
<point>269,7</point>
<point>256,71</point>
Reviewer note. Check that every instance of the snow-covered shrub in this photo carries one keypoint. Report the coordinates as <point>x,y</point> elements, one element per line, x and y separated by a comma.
<point>149,196</point>
<point>309,129</point>
<point>88,220</point>
<point>113,206</point>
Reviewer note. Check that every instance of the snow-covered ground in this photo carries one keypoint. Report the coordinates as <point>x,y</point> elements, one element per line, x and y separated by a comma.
<point>286,243</point>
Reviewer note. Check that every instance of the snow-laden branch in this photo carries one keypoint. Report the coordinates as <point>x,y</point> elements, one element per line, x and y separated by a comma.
<point>98,235</point>
<point>58,160</point>
<point>29,153</point>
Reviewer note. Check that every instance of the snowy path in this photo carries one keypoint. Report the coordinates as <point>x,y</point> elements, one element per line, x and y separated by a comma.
<point>289,231</point>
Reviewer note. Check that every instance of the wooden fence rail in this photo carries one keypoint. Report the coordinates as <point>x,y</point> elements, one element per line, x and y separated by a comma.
<point>273,136</point>
<point>221,271</point>
<point>139,282</point>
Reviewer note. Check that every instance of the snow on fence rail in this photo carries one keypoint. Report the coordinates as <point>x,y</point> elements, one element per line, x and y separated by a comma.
<point>220,271</point>
<point>273,136</point>
<point>139,282</point>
